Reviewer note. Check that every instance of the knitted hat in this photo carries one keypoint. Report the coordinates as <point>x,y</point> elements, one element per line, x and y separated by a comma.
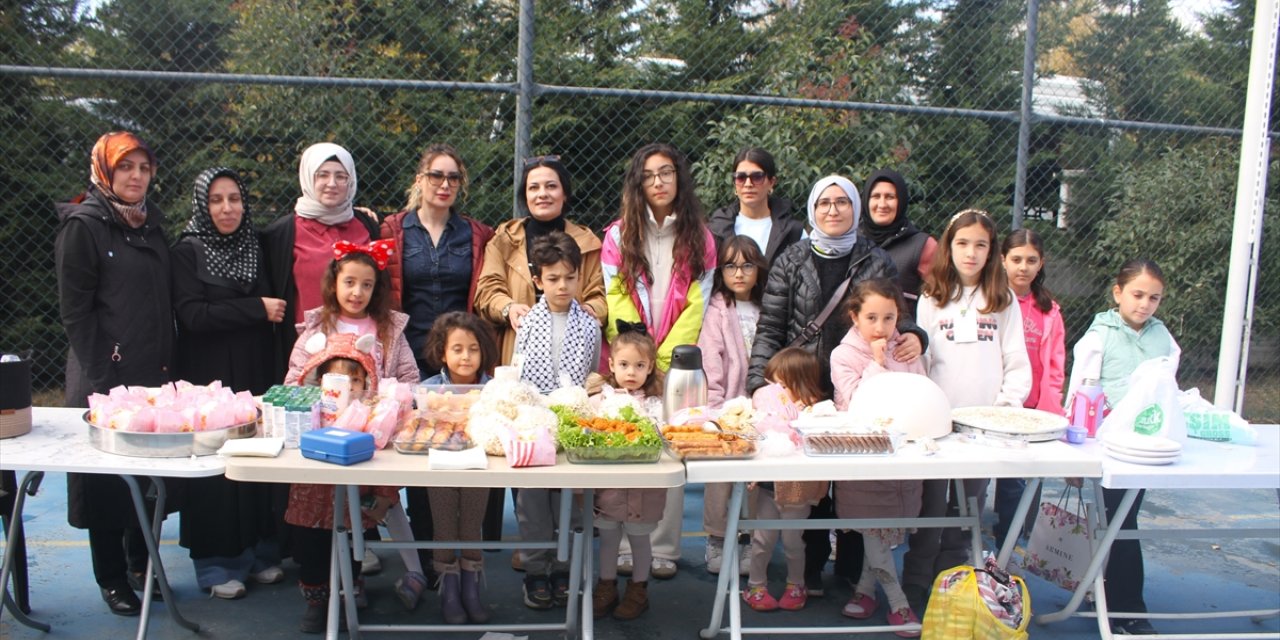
<point>341,345</point>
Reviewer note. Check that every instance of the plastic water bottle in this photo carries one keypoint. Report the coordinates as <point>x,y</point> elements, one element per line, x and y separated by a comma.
<point>1087,406</point>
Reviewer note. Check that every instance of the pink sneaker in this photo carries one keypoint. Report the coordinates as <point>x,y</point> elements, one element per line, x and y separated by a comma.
<point>794,597</point>
<point>904,616</point>
<point>758,599</point>
<point>860,607</point>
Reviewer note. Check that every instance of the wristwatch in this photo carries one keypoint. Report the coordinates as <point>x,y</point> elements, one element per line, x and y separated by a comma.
<point>506,311</point>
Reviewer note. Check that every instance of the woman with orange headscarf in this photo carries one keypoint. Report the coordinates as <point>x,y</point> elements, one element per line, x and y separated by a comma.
<point>113,288</point>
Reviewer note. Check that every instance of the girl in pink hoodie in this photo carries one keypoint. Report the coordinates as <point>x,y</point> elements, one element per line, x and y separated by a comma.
<point>1023,254</point>
<point>728,329</point>
<point>874,308</point>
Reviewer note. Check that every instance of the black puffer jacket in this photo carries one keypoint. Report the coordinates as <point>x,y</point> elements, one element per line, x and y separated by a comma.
<point>786,228</point>
<point>793,298</point>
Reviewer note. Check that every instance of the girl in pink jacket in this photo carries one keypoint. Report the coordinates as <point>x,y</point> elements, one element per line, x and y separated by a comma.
<point>632,369</point>
<point>874,308</point>
<point>728,329</point>
<point>1023,253</point>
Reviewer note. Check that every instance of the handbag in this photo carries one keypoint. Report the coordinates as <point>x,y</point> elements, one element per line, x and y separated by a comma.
<point>1058,549</point>
<point>982,604</point>
<point>814,327</point>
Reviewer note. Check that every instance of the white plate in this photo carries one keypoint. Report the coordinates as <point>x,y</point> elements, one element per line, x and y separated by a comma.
<point>1139,453</point>
<point>1140,460</point>
<point>1138,442</point>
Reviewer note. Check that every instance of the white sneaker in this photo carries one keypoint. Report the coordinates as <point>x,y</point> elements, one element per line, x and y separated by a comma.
<point>371,564</point>
<point>714,554</point>
<point>270,575</point>
<point>663,569</point>
<point>624,564</point>
<point>744,559</point>
<point>229,590</point>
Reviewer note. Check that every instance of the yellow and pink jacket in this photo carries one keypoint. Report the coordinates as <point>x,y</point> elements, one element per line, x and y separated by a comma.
<point>685,303</point>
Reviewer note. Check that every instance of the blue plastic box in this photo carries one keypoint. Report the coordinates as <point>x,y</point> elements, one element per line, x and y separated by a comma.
<point>338,446</point>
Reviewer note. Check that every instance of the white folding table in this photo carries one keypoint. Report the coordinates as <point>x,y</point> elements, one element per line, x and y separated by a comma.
<point>389,468</point>
<point>59,442</point>
<point>958,458</point>
<point>1203,465</point>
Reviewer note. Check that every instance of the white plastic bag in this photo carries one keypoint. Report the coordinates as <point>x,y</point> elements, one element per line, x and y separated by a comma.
<point>1152,407</point>
<point>1207,422</point>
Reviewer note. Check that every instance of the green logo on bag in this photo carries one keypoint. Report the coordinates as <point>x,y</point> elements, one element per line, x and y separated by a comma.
<point>1148,422</point>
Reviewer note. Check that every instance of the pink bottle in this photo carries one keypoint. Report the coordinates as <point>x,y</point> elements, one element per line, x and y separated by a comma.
<point>1087,406</point>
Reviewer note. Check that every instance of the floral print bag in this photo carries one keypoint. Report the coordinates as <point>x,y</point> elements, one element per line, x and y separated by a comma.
<point>1058,549</point>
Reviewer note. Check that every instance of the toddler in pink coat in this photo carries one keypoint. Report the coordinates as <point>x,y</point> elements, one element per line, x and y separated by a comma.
<point>794,377</point>
<point>874,308</point>
<point>632,369</point>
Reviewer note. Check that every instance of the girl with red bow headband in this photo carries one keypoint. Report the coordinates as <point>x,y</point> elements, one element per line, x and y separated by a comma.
<point>356,299</point>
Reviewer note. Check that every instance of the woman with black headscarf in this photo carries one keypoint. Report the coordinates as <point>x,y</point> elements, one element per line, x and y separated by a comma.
<point>226,320</point>
<point>113,291</point>
<point>886,225</point>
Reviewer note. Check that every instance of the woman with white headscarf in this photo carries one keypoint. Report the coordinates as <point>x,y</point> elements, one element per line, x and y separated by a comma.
<point>803,279</point>
<point>298,246</point>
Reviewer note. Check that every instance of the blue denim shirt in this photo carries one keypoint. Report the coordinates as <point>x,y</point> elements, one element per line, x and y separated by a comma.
<point>437,277</point>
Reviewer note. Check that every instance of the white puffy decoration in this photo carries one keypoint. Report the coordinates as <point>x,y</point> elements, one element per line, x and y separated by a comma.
<point>573,397</point>
<point>315,344</point>
<point>366,343</point>
<point>905,403</point>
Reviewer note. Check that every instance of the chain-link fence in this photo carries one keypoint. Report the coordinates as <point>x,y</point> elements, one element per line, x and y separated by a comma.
<point>1132,150</point>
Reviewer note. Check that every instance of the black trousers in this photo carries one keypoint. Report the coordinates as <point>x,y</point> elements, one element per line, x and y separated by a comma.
<point>817,546</point>
<point>115,552</point>
<point>311,550</point>
<point>1125,575</point>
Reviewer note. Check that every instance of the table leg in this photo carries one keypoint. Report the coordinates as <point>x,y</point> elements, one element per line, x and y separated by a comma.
<point>566,513</point>
<point>730,560</point>
<point>588,573</point>
<point>1093,575</point>
<point>1019,516</point>
<point>968,508</point>
<point>154,564</point>
<point>575,583</point>
<point>344,538</point>
<point>30,482</point>
<point>735,589</point>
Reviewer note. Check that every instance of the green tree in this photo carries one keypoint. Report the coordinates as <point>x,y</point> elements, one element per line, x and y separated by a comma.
<point>1178,212</point>
<point>47,137</point>
<point>183,122</point>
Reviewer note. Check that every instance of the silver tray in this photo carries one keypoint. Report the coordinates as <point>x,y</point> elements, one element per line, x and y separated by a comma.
<point>1043,436</point>
<point>166,445</point>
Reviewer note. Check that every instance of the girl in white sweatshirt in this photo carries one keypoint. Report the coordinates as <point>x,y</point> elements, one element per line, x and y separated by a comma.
<point>977,354</point>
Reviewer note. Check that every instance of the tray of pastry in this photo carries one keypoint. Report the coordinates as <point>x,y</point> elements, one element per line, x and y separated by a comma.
<point>707,442</point>
<point>845,443</point>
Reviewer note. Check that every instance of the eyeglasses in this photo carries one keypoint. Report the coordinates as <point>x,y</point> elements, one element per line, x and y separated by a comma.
<point>839,204</point>
<point>745,268</point>
<point>536,160</point>
<point>339,178</point>
<point>665,175</point>
<point>756,177</point>
<point>437,178</point>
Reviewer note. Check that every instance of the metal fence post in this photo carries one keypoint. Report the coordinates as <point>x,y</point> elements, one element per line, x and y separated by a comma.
<point>1246,235</point>
<point>1024,120</point>
<point>524,101</point>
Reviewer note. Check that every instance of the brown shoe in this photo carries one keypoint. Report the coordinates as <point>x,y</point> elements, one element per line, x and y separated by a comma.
<point>604,597</point>
<point>635,601</point>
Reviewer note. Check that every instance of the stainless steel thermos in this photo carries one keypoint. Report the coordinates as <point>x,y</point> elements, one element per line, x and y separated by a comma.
<point>686,382</point>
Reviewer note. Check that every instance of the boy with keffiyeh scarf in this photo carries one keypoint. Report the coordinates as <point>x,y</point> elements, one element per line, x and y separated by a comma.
<point>557,339</point>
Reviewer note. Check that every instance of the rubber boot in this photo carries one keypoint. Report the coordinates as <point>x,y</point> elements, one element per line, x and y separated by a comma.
<point>451,594</point>
<point>472,575</point>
